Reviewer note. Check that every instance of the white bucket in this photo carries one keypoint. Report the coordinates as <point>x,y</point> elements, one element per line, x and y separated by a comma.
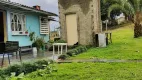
<point>34,51</point>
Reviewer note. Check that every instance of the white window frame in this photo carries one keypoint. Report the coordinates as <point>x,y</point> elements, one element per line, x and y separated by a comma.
<point>22,23</point>
<point>44,27</point>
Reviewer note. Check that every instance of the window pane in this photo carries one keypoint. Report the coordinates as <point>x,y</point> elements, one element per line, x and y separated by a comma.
<point>24,27</point>
<point>16,27</point>
<point>15,18</point>
<point>23,19</point>
<point>19,19</point>
<point>19,27</point>
<point>12,26</point>
<point>11,16</point>
<point>18,22</point>
<point>12,21</point>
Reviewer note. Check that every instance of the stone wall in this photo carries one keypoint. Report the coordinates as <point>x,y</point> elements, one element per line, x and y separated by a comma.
<point>88,18</point>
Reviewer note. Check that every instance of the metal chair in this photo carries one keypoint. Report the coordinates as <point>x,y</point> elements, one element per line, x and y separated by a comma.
<point>9,47</point>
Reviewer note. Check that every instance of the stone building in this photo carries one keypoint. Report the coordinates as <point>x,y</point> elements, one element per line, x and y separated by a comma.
<point>79,20</point>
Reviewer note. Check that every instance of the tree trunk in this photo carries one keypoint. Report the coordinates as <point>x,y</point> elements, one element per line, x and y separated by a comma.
<point>137,27</point>
<point>137,30</point>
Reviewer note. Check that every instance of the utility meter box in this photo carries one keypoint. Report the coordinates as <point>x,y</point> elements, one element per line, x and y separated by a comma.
<point>100,40</point>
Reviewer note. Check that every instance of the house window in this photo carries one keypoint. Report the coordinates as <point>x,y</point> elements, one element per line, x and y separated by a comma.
<point>18,22</point>
<point>44,25</point>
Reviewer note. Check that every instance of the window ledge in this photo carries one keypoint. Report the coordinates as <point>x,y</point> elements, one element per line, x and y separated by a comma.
<point>20,33</point>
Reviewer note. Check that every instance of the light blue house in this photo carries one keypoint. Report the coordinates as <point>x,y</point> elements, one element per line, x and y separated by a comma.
<point>17,21</point>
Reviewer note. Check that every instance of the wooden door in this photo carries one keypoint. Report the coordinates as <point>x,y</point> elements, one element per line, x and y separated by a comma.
<point>72,33</point>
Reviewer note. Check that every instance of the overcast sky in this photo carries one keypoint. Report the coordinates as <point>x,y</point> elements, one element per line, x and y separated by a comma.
<point>47,5</point>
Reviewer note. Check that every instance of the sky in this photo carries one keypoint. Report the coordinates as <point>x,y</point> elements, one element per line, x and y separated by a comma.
<point>47,5</point>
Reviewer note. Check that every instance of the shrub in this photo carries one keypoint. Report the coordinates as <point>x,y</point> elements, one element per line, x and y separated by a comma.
<point>2,74</point>
<point>70,53</point>
<point>63,57</point>
<point>24,68</point>
<point>72,47</point>
<point>15,68</point>
<point>89,46</point>
<point>51,41</point>
<point>28,68</point>
<point>41,64</point>
<point>76,51</point>
<point>38,43</point>
<point>60,41</point>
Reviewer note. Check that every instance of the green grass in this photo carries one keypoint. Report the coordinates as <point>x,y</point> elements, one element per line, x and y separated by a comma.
<point>93,71</point>
<point>124,46</point>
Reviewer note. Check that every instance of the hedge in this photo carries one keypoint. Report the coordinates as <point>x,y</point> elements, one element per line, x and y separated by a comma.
<point>73,52</point>
<point>24,68</point>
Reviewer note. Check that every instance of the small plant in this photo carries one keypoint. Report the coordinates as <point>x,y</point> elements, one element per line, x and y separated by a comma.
<point>51,41</point>
<point>26,32</point>
<point>32,36</point>
<point>37,42</point>
<point>70,52</point>
<point>17,71</point>
<point>14,77</point>
<point>73,52</point>
<point>63,57</point>
<point>60,41</point>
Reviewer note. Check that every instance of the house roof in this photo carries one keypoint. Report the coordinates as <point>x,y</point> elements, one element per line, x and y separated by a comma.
<point>13,5</point>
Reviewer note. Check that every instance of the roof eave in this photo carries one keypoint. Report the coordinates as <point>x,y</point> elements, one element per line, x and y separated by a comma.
<point>28,8</point>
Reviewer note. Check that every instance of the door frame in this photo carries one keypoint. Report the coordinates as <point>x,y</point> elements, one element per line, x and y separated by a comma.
<point>4,25</point>
<point>69,13</point>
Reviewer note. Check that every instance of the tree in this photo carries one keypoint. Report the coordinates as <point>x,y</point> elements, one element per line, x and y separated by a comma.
<point>104,13</point>
<point>129,8</point>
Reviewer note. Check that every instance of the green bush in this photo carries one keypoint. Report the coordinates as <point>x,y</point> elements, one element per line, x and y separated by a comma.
<point>38,43</point>
<point>72,47</point>
<point>24,68</point>
<point>89,46</point>
<point>42,64</point>
<point>2,74</point>
<point>70,53</point>
<point>63,57</point>
<point>60,41</point>
<point>15,68</point>
<point>28,68</point>
<point>76,51</point>
<point>51,41</point>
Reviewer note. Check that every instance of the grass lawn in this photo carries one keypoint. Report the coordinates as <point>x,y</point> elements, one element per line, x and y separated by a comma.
<point>124,46</point>
<point>93,71</point>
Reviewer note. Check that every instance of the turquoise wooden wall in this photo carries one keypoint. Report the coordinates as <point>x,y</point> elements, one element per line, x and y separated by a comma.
<point>32,25</point>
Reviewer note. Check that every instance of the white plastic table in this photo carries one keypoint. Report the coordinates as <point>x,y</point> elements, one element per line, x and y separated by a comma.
<point>59,44</point>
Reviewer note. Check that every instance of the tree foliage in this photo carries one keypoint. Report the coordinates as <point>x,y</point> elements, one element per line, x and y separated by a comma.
<point>130,8</point>
<point>104,10</point>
